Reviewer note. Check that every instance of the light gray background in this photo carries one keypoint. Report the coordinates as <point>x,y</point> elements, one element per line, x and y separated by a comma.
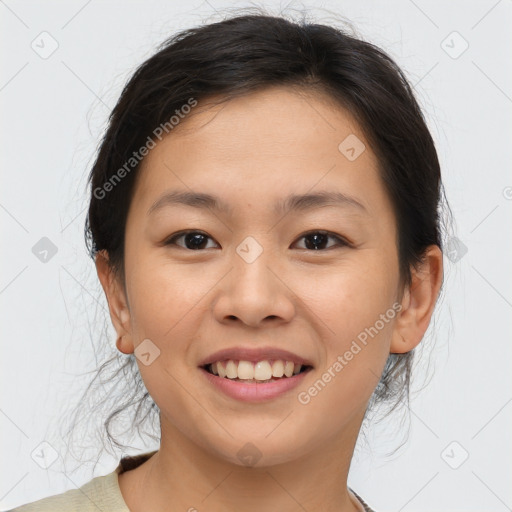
<point>53,111</point>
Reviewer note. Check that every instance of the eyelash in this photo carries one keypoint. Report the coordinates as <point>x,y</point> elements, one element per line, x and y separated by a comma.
<point>341,241</point>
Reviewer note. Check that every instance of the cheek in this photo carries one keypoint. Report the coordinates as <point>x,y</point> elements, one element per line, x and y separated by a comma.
<point>349,299</point>
<point>163,296</point>
<point>354,311</point>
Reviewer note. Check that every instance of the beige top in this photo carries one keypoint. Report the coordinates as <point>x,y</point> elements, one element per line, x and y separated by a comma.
<point>101,493</point>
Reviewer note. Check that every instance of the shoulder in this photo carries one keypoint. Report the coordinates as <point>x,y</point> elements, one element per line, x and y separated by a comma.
<point>69,501</point>
<point>100,493</point>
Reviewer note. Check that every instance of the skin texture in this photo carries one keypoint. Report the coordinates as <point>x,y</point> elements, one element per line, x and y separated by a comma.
<point>250,152</point>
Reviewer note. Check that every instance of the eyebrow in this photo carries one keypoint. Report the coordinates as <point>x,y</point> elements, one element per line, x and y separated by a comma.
<point>293,202</point>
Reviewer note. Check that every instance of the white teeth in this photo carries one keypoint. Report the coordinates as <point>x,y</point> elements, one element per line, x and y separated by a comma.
<point>288,368</point>
<point>221,369</point>
<point>262,370</point>
<point>245,370</point>
<point>278,368</point>
<point>232,370</point>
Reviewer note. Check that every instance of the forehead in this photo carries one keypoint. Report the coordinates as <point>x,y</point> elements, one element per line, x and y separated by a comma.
<point>262,146</point>
<point>270,117</point>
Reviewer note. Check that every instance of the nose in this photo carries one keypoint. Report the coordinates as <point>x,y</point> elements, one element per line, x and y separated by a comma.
<point>255,293</point>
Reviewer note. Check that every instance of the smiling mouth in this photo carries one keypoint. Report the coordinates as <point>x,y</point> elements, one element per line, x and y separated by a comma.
<point>211,369</point>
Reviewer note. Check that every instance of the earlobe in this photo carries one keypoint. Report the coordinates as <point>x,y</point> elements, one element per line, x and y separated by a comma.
<point>418,302</point>
<point>399,345</point>
<point>124,346</point>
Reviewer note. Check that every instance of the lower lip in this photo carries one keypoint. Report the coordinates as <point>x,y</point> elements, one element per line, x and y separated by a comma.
<point>252,391</point>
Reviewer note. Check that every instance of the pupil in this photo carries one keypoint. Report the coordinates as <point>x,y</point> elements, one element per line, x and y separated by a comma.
<point>319,239</point>
<point>195,238</point>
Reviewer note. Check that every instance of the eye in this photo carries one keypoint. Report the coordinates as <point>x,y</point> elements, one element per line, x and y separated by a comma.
<point>194,240</point>
<point>316,239</point>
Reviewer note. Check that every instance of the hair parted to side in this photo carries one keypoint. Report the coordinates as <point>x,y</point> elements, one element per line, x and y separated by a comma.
<point>243,54</point>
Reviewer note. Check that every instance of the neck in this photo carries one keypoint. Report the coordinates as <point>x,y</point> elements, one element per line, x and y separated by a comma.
<point>185,476</point>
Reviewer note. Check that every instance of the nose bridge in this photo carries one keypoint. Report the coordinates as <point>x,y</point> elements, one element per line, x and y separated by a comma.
<point>254,291</point>
<point>252,277</point>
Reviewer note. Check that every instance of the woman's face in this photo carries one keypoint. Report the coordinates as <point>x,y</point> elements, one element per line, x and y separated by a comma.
<point>255,280</point>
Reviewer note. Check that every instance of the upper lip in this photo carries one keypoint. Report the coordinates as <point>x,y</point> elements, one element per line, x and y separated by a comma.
<point>254,355</point>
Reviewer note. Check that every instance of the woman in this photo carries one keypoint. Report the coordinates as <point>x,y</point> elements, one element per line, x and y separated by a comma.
<point>264,223</point>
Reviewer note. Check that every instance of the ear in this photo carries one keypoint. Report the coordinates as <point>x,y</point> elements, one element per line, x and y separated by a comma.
<point>418,302</point>
<point>117,303</point>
